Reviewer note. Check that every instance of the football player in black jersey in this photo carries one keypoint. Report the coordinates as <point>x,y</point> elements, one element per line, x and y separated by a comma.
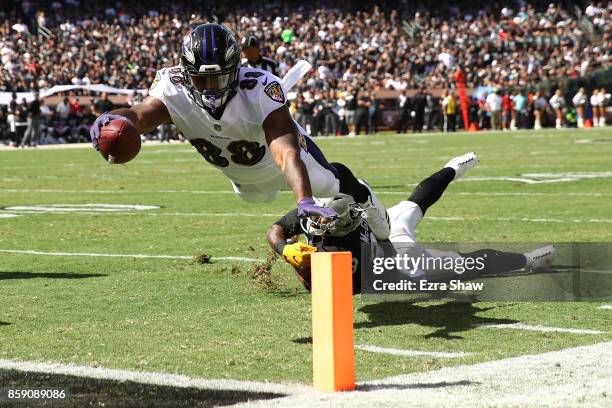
<point>350,230</point>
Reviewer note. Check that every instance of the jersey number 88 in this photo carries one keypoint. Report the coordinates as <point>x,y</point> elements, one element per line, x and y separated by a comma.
<point>242,152</point>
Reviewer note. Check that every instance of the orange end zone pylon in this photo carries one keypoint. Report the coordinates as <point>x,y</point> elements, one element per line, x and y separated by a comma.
<point>333,353</point>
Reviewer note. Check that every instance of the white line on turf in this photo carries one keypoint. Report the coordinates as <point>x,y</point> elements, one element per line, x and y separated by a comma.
<point>156,214</point>
<point>92,207</point>
<point>527,194</point>
<point>242,214</point>
<point>9,215</point>
<point>165,379</point>
<point>401,193</point>
<point>409,353</point>
<point>143,256</point>
<point>53,190</point>
<point>545,329</point>
<point>566,378</point>
<point>605,307</point>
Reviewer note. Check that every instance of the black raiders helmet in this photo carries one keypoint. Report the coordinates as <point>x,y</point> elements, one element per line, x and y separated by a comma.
<point>210,61</point>
<point>348,219</point>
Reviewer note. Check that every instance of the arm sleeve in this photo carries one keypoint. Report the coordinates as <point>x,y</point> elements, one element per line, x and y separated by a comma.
<point>290,223</point>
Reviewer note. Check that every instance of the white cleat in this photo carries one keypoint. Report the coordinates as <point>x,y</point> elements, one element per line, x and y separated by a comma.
<point>461,164</point>
<point>376,215</point>
<point>540,258</point>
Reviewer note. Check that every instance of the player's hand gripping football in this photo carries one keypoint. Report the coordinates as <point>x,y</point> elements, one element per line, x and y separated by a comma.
<point>102,120</point>
<point>298,254</point>
<point>307,207</point>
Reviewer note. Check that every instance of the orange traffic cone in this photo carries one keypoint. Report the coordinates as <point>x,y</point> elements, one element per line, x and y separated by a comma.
<point>473,127</point>
<point>588,123</point>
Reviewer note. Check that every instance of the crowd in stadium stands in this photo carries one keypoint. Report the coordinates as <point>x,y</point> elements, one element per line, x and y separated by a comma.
<point>358,49</point>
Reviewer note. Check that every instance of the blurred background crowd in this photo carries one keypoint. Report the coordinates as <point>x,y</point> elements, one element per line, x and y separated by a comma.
<point>380,64</point>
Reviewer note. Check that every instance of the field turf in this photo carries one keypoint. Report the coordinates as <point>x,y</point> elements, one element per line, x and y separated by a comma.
<point>225,320</point>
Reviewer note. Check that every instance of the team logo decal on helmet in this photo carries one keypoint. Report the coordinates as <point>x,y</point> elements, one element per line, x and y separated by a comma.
<point>233,48</point>
<point>275,92</point>
<point>187,50</point>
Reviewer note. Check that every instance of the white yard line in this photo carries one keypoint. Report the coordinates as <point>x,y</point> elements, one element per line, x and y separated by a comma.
<point>229,192</point>
<point>143,256</point>
<point>53,190</point>
<point>575,377</point>
<point>143,377</point>
<point>154,214</point>
<point>520,194</point>
<point>605,307</point>
<point>544,329</point>
<point>91,207</point>
<point>409,353</point>
<point>64,146</point>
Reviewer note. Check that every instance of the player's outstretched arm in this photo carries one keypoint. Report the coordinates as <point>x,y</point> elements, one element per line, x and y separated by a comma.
<point>277,239</point>
<point>145,116</point>
<point>282,139</point>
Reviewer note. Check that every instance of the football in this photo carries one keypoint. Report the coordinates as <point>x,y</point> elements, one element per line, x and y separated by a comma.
<point>119,141</point>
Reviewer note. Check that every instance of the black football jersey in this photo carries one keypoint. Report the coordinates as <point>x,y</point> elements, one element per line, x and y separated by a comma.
<point>351,242</point>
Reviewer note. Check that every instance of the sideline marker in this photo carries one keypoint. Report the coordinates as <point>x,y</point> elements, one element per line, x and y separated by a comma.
<point>333,352</point>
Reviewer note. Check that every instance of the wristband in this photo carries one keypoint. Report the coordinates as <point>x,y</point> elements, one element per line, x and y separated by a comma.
<point>279,246</point>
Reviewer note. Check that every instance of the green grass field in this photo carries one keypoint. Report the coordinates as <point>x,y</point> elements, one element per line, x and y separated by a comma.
<point>218,320</point>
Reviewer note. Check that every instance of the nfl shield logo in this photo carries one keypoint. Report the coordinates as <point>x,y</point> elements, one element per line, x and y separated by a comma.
<point>217,127</point>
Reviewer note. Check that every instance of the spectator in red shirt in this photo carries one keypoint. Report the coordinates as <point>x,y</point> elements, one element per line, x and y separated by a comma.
<point>506,110</point>
<point>75,108</point>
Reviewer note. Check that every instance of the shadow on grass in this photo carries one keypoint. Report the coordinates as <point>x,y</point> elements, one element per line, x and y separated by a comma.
<point>85,392</point>
<point>4,323</point>
<point>48,275</point>
<point>444,384</point>
<point>447,318</point>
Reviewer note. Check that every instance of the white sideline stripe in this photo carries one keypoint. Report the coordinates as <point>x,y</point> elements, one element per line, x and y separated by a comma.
<point>9,215</point>
<point>571,377</point>
<point>214,258</point>
<point>605,307</point>
<point>143,377</point>
<point>410,353</point>
<point>544,329</point>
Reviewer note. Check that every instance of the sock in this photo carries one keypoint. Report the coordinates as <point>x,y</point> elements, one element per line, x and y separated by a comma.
<point>497,261</point>
<point>428,191</point>
<point>350,185</point>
